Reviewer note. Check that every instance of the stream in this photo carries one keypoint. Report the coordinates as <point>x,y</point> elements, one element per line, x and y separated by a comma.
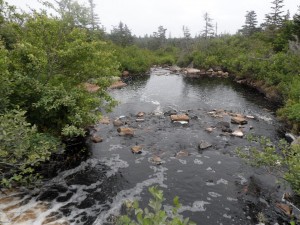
<point>214,185</point>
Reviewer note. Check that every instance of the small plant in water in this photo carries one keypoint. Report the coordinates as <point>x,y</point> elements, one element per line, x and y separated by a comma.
<point>154,215</point>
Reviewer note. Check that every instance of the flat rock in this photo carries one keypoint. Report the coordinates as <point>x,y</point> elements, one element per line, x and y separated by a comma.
<point>92,88</point>
<point>96,139</point>
<point>237,133</point>
<point>204,145</point>
<point>181,117</point>
<point>238,120</point>
<point>117,84</point>
<point>192,71</point>
<point>105,120</point>
<point>125,131</point>
<point>136,149</point>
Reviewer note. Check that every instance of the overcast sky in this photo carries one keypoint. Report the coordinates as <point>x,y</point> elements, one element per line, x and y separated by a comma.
<point>144,16</point>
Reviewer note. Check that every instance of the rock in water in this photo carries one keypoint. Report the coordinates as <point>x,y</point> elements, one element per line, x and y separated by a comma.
<point>136,149</point>
<point>239,120</point>
<point>125,131</point>
<point>237,133</point>
<point>96,139</point>
<point>156,159</point>
<point>181,117</point>
<point>140,114</point>
<point>117,123</point>
<point>204,145</point>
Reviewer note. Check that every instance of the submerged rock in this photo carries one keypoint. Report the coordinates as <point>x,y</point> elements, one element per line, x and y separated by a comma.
<point>286,209</point>
<point>209,129</point>
<point>118,123</point>
<point>96,139</point>
<point>105,120</point>
<point>204,145</point>
<point>182,153</point>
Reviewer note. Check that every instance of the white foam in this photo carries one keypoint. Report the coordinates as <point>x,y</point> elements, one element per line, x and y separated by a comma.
<point>214,194</point>
<point>198,161</point>
<point>222,181</point>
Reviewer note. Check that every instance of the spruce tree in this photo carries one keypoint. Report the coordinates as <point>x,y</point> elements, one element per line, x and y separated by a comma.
<point>250,23</point>
<point>275,18</point>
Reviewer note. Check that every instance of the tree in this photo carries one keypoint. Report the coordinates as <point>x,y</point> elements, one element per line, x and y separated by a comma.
<point>186,32</point>
<point>121,35</point>
<point>275,18</point>
<point>209,27</point>
<point>250,23</point>
<point>94,17</point>
<point>296,23</point>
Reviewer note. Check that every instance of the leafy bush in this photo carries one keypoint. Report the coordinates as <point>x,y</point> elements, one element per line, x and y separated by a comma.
<point>155,215</point>
<point>22,148</point>
<point>281,158</point>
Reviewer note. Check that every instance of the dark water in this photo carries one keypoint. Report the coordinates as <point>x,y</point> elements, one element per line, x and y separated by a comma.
<point>214,185</point>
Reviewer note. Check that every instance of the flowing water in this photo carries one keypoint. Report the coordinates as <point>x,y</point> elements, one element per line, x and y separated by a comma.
<point>214,185</point>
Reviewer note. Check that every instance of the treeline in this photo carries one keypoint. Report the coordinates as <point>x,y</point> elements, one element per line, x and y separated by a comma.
<point>47,59</point>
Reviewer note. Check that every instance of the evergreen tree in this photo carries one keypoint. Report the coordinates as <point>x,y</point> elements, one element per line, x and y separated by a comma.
<point>296,22</point>
<point>121,35</point>
<point>250,23</point>
<point>274,19</point>
<point>94,16</point>
<point>208,28</point>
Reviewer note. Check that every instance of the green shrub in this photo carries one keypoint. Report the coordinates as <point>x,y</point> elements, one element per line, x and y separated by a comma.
<point>155,215</point>
<point>22,149</point>
<point>282,159</point>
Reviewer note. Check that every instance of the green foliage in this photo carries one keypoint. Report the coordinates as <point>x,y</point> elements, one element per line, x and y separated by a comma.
<point>281,158</point>
<point>155,215</point>
<point>22,148</point>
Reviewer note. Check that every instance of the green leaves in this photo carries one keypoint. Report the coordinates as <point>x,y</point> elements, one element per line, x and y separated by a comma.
<point>156,216</point>
<point>281,157</point>
<point>22,148</point>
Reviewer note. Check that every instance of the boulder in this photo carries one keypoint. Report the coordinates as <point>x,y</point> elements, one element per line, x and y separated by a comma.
<point>210,70</point>
<point>204,145</point>
<point>96,139</point>
<point>125,131</point>
<point>237,133</point>
<point>181,117</point>
<point>117,84</point>
<point>136,149</point>
<point>238,120</point>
